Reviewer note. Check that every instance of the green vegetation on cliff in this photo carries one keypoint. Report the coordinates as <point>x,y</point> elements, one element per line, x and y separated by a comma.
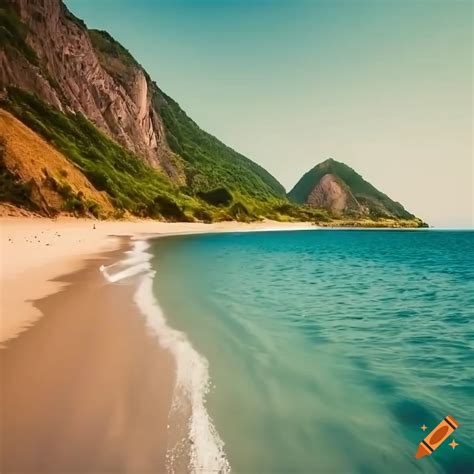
<point>13,33</point>
<point>131,184</point>
<point>12,189</point>
<point>208,163</point>
<point>117,60</point>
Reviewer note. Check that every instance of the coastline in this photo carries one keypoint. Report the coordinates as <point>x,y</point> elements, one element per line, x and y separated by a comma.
<point>35,252</point>
<point>79,355</point>
<point>92,385</point>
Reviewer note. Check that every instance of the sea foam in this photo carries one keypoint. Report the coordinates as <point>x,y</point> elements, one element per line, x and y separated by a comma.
<point>206,448</point>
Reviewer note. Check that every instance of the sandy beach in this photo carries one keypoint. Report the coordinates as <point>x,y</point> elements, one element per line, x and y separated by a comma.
<point>85,387</point>
<point>35,251</point>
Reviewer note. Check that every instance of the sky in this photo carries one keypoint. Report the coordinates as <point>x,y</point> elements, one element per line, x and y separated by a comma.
<point>384,86</point>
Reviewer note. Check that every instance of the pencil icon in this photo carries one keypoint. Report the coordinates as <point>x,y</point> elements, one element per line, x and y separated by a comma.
<point>447,426</point>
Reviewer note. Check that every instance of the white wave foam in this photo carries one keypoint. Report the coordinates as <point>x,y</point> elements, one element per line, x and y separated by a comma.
<point>137,261</point>
<point>192,378</point>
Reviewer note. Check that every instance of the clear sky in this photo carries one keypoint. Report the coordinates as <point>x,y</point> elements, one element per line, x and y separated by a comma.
<point>382,85</point>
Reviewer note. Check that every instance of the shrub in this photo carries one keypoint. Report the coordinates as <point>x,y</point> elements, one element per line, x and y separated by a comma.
<point>166,207</point>
<point>216,197</point>
<point>74,205</point>
<point>203,215</point>
<point>239,212</point>
<point>93,208</point>
<point>12,189</point>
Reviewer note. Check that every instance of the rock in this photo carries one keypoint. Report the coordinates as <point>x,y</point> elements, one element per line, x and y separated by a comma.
<point>70,76</point>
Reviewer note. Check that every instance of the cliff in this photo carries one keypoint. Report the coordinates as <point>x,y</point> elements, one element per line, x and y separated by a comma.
<point>46,50</point>
<point>50,52</point>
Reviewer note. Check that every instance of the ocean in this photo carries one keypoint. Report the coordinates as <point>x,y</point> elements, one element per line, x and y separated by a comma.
<point>321,351</point>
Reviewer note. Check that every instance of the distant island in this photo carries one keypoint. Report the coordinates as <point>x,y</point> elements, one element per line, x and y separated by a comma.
<point>84,130</point>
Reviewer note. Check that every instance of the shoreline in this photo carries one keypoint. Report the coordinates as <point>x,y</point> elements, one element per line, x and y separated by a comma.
<point>102,355</point>
<point>87,388</point>
<point>75,348</point>
<point>80,355</point>
<point>36,252</point>
<point>90,375</point>
<point>193,442</point>
<point>51,287</point>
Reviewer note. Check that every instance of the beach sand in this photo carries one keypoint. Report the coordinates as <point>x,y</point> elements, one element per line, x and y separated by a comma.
<point>85,386</point>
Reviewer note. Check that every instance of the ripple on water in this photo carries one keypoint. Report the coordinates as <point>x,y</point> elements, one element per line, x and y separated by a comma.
<point>315,337</point>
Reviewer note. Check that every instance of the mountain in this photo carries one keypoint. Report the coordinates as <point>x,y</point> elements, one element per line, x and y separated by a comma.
<point>63,80</point>
<point>85,130</point>
<point>336,187</point>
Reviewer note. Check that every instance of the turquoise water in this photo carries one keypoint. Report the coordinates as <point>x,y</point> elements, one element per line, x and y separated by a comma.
<point>328,350</point>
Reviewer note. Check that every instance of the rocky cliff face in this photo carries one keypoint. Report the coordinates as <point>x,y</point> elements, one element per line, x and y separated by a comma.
<point>332,194</point>
<point>65,69</point>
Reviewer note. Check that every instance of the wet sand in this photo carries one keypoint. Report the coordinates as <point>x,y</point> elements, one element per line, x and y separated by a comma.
<point>86,388</point>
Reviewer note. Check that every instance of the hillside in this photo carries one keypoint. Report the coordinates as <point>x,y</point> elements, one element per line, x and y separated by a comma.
<point>129,184</point>
<point>49,52</point>
<point>336,187</point>
<point>36,176</point>
<point>207,163</point>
